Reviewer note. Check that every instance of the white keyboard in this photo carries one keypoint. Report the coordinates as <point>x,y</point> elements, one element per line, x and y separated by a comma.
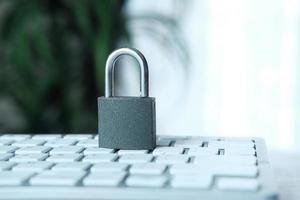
<point>71,166</point>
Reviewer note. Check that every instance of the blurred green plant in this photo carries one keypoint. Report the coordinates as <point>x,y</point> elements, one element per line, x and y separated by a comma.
<point>52,58</point>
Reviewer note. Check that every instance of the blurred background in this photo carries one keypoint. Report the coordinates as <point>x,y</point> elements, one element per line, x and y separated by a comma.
<point>226,68</point>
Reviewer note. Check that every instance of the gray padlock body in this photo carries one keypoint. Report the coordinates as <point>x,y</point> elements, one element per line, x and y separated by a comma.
<point>127,122</point>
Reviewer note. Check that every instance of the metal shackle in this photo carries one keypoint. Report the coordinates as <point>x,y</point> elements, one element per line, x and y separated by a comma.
<point>110,76</point>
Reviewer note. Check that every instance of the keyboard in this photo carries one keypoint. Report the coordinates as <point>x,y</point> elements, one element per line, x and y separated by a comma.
<point>71,166</point>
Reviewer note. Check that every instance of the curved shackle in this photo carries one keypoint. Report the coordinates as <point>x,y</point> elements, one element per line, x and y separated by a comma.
<point>110,65</point>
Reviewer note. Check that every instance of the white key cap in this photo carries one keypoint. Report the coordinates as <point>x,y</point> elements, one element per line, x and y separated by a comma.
<point>71,166</point>
<point>66,150</point>
<point>163,142</point>
<point>241,184</point>
<point>78,136</point>
<point>6,165</point>
<point>190,142</point>
<point>97,150</point>
<point>201,181</point>
<point>229,151</point>
<point>64,157</point>
<point>236,170</point>
<point>172,159</point>
<point>146,181</point>
<point>16,137</point>
<point>222,160</point>
<point>170,137</point>
<point>30,142</point>
<point>219,170</point>
<point>232,139</point>
<point>168,150</point>
<point>226,144</point>
<point>88,143</point>
<point>47,136</point>
<point>189,168</point>
<point>240,160</point>
<point>60,142</point>
<point>99,158</point>
<point>7,149</point>
<point>10,178</point>
<point>5,156</point>
<point>28,157</point>
<point>195,151</point>
<point>6,141</point>
<point>148,168</point>
<point>136,158</point>
<point>33,166</point>
<point>104,179</point>
<point>122,152</point>
<point>62,178</point>
<point>109,167</point>
<point>33,150</point>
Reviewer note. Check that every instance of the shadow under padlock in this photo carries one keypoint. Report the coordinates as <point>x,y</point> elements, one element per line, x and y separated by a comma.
<point>126,122</point>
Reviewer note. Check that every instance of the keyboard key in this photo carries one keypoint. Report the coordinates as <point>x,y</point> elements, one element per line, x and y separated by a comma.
<point>189,142</point>
<point>64,157</point>
<point>218,170</point>
<point>78,136</point>
<point>7,149</point>
<point>240,184</point>
<point>57,178</point>
<point>12,178</point>
<point>28,157</point>
<point>163,142</point>
<point>66,150</point>
<point>6,141</point>
<point>146,181</point>
<point>168,150</point>
<point>148,168</point>
<point>122,152</point>
<point>234,170</point>
<point>97,150</point>
<point>171,138</point>
<point>30,142</point>
<point>189,168</point>
<point>100,158</point>
<point>5,156</point>
<point>228,144</point>
<point>33,150</point>
<point>222,160</point>
<point>109,167</point>
<point>6,165</point>
<point>33,166</point>
<point>172,159</point>
<point>104,179</point>
<point>239,151</point>
<point>71,166</point>
<point>88,143</point>
<point>201,181</point>
<point>195,151</point>
<point>16,137</point>
<point>60,142</point>
<point>136,158</point>
<point>47,136</point>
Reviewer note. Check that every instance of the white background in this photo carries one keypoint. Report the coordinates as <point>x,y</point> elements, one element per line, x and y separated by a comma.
<point>243,73</point>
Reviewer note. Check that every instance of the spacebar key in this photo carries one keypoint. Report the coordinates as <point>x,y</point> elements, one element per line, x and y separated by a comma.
<point>12,178</point>
<point>237,184</point>
<point>146,181</point>
<point>59,178</point>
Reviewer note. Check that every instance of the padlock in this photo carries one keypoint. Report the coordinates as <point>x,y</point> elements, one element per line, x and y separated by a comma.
<point>126,122</point>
